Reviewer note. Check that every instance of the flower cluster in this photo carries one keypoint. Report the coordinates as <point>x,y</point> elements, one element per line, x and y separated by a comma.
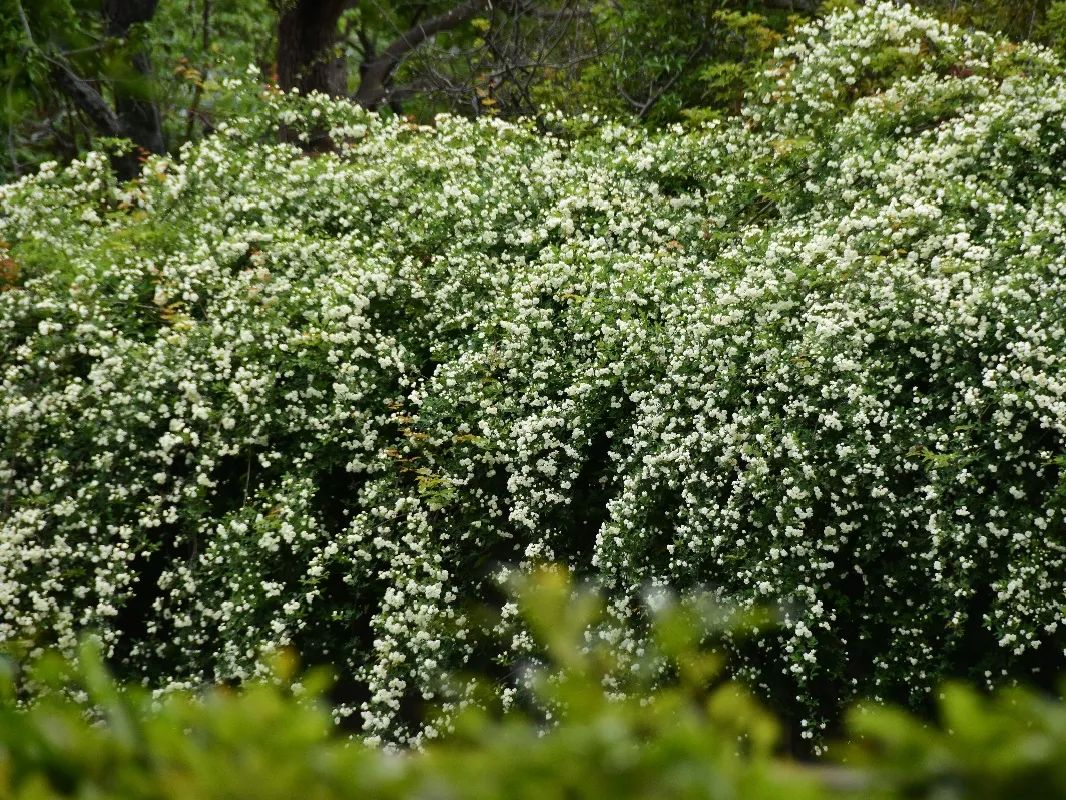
<point>812,359</point>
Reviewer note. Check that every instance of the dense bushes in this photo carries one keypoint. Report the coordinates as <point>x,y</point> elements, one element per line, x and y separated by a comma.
<point>813,359</point>
<point>695,738</point>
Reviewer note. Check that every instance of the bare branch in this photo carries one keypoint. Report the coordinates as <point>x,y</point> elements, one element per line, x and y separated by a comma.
<point>372,88</point>
<point>87,99</point>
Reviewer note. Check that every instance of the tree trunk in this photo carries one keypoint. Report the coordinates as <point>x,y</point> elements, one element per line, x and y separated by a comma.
<point>309,58</point>
<point>136,111</point>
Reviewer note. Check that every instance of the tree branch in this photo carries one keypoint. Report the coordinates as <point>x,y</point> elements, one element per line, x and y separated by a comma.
<point>77,89</point>
<point>372,88</point>
<point>87,99</point>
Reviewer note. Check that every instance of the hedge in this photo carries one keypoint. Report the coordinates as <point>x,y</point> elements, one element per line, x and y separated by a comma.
<point>694,738</point>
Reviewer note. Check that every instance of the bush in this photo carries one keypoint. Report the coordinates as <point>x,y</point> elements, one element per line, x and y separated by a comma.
<point>694,738</point>
<point>275,738</point>
<point>265,398</point>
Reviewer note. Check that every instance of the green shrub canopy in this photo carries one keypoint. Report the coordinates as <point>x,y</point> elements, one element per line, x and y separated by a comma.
<point>812,358</point>
<point>690,737</point>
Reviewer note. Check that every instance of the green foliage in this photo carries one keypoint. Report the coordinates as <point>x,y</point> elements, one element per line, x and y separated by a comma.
<point>192,46</point>
<point>1053,30</point>
<point>668,61</point>
<point>695,737</point>
<point>659,62</point>
<point>30,34</point>
<point>1012,744</point>
<point>656,61</point>
<point>194,54</point>
<point>1018,19</point>
<point>810,356</point>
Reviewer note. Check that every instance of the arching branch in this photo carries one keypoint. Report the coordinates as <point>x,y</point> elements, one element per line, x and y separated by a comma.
<point>374,86</point>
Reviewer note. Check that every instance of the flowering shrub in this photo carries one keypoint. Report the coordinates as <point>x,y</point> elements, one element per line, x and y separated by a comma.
<point>813,359</point>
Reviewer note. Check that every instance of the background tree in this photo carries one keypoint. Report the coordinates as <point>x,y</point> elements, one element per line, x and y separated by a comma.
<point>1019,19</point>
<point>134,105</point>
<point>74,71</point>
<point>87,65</point>
<point>309,55</point>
